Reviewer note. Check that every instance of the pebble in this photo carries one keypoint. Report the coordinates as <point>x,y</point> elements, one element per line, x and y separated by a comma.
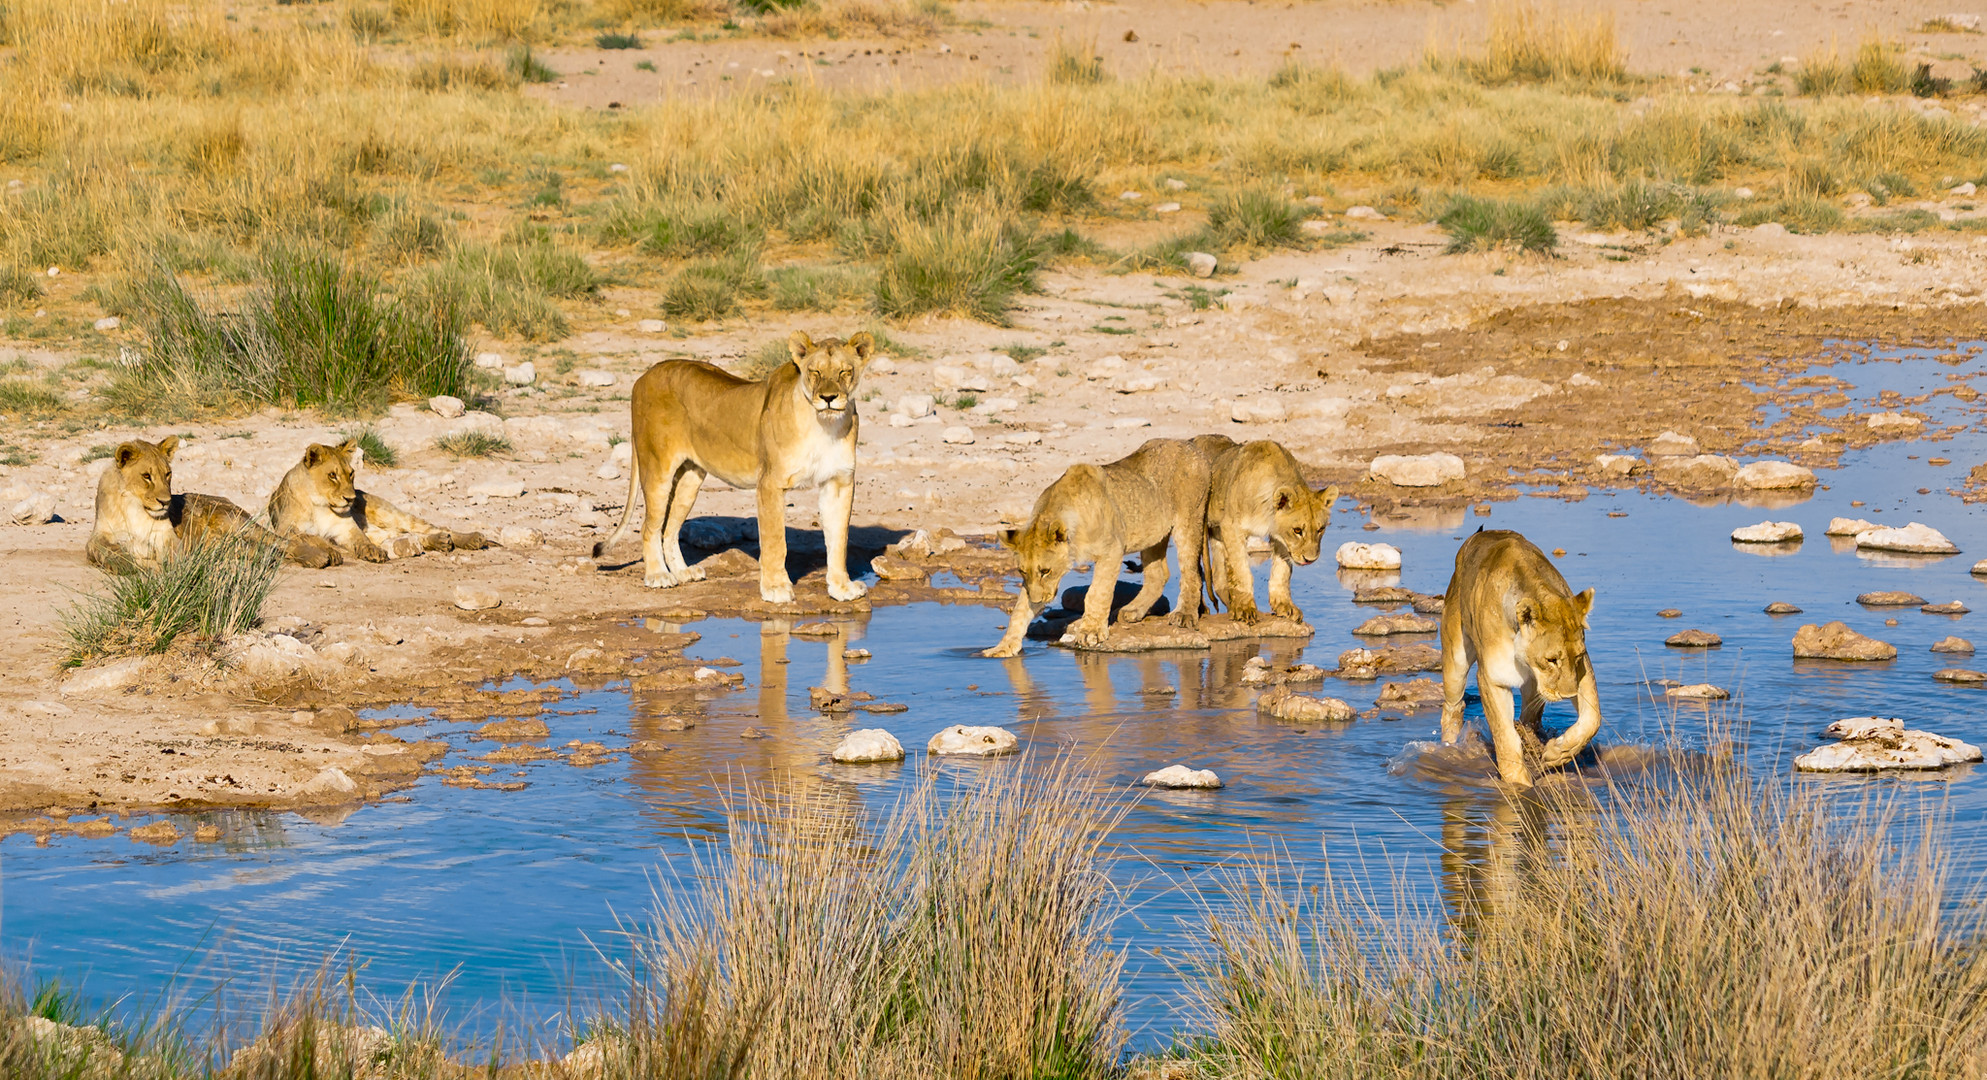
<point>36,509</point>
<point>1890,599</point>
<point>596,378</point>
<point>961,739</point>
<point>403,546</point>
<point>855,654</point>
<point>1201,264</point>
<point>1980,568</point>
<point>1179,776</point>
<point>1618,464</point>
<point>608,470</point>
<point>107,323</point>
<point>489,360</point>
<point>1694,639</point>
<point>163,832</point>
<point>1873,743</point>
<point>1169,208</point>
<point>535,620</point>
<point>867,747</point>
<point>916,406</point>
<point>1951,607</point>
<point>476,597</point>
<point>1672,444</point>
<point>1267,410</point>
<point>1835,641</point>
<point>520,537</point>
<point>498,489</point>
<point>1352,555</point>
<point>1703,691</point>
<point>1843,526</point>
<point>1384,625</point>
<point>446,407</point>
<point>959,436</point>
<point>1364,213</point>
<point>1412,694</point>
<point>1767,532</point>
<point>522,375</point>
<point>1581,378</point>
<point>1781,607</point>
<point>1669,613</point>
<point>815,629</point>
<point>330,781</point>
<point>1417,470</point>
<point>1950,644</point>
<point>1773,476</point>
<point>1283,704</point>
<point>1960,675</point>
<point>651,326</point>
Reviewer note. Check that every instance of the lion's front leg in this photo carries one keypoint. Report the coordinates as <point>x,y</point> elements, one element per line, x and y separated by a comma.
<point>1569,743</point>
<point>1280,568</point>
<point>1094,628</point>
<point>1503,732</point>
<point>1017,628</point>
<point>1240,581</point>
<point>838,498</point>
<point>775,587</point>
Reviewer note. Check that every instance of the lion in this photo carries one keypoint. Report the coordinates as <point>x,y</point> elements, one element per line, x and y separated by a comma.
<point>317,498</point>
<point>1096,514</point>
<point>795,429</point>
<point>1511,613</point>
<point>140,518</point>
<point>1256,489</point>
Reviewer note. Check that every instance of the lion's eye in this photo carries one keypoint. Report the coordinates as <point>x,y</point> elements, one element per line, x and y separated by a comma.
<point>148,478</point>
<point>1300,530</point>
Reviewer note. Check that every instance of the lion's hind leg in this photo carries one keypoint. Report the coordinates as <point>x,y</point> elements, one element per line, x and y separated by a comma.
<point>689,480</point>
<point>1457,656</point>
<point>1152,584</point>
<point>659,478</point>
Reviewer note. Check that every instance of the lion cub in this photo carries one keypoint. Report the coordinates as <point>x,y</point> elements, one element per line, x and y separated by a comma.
<point>140,518</point>
<point>1509,612</point>
<point>1098,513</point>
<point>1257,489</point>
<point>797,429</point>
<point>317,498</point>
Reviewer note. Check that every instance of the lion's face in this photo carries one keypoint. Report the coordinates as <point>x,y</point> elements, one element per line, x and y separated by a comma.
<point>1300,519</point>
<point>1042,550</point>
<point>1552,637</point>
<point>331,470</point>
<point>147,470</point>
<point>829,370</point>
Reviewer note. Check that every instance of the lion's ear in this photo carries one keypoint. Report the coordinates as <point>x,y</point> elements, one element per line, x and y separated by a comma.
<point>1058,534</point>
<point>1327,497</point>
<point>864,343</point>
<point>126,453</point>
<point>1528,611</point>
<point>1583,603</point>
<point>1010,537</point>
<point>169,444</point>
<point>1284,497</point>
<point>799,344</point>
<point>314,455</point>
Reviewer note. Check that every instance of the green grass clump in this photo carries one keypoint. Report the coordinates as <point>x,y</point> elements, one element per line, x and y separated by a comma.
<point>19,285</point>
<point>1878,69</point>
<point>376,449</point>
<point>678,228</point>
<point>613,40</point>
<point>962,263</point>
<point>1799,212</point>
<point>1078,64</point>
<point>311,332</point>
<point>1634,205</point>
<point>512,287</point>
<point>25,397</point>
<point>522,64</point>
<point>473,443</point>
<point>1255,217</point>
<point>1822,74</point>
<point>708,289</point>
<point>208,589</point>
<point>817,288</point>
<point>1475,224</point>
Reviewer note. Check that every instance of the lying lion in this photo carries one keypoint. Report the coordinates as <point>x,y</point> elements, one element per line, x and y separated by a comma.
<point>1096,514</point>
<point>1509,612</point>
<point>140,518</point>
<point>796,429</point>
<point>1257,490</point>
<point>317,498</point>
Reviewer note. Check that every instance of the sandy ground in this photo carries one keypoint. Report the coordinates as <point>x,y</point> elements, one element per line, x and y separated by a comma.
<point>1526,368</point>
<point>1710,46</point>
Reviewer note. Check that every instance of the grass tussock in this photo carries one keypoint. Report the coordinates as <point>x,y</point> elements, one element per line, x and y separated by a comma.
<point>512,287</point>
<point>21,397</point>
<point>1713,925</point>
<point>1074,63</point>
<point>962,263</point>
<point>373,445</point>
<point>310,332</point>
<point>833,19</point>
<point>473,443</point>
<point>206,590</point>
<point>1533,41</point>
<point>1475,224</point>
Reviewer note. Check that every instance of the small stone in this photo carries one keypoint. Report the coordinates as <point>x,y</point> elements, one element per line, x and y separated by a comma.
<point>959,436</point>
<point>1385,625</point>
<point>1174,208</point>
<point>1364,213</point>
<point>1412,694</point>
<point>1283,704</point>
<point>597,378</point>
<point>1960,675</point>
<point>1769,228</point>
<point>446,407</point>
<point>490,361</point>
<point>522,375</point>
<point>651,326</point>
<point>753,733</point>
<point>403,546</point>
<point>107,323</point>
<point>1352,555</point>
<point>161,833</point>
<point>1175,184</point>
<point>1949,644</point>
<point>498,489</point>
<point>1767,532</point>
<point>1669,613</point>
<point>38,509</point>
<point>1581,378</point>
<point>1201,264</point>
<point>1699,692</point>
<point>1893,421</point>
<point>1835,641</point>
<point>855,654</point>
<point>1619,465</point>
<point>1950,607</point>
<point>518,537</point>
<point>1694,639</point>
<point>1916,538</point>
<point>1843,526</point>
<point>1131,196</point>
<point>867,747</point>
<point>1702,471</point>
<point>608,470</point>
<point>1673,444</point>
<point>960,739</point>
<point>916,406</point>
<point>1890,599</point>
<point>1773,476</point>
<point>476,597</point>
<point>1179,776</point>
<point>1781,607</point>
<point>1963,190</point>
<point>1266,410</point>
<point>1418,470</point>
<point>331,782</point>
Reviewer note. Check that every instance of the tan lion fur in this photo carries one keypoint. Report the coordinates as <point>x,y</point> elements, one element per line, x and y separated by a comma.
<point>319,498</point>
<point>1257,490</point>
<point>131,532</point>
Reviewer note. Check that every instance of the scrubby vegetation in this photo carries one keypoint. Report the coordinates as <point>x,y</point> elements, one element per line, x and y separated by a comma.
<point>201,591</point>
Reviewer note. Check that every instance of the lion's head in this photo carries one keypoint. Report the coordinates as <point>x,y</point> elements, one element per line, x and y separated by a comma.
<point>1300,517</point>
<point>1552,637</point>
<point>1041,547</point>
<point>146,472</point>
<point>330,470</point>
<point>829,369</point>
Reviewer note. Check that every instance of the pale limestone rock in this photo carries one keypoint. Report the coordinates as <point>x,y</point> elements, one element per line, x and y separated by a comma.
<point>961,739</point>
<point>522,375</point>
<point>330,782</point>
<point>868,746</point>
<point>596,378</point>
<point>1283,704</point>
<point>916,406</point>
<point>1673,444</point>
<point>958,436</point>
<point>1773,476</point>
<point>1873,744</point>
<point>446,407</point>
<point>115,675</point>
<point>476,597</point>
<point>1843,526</point>
<point>518,537</point>
<point>1894,421</point>
<point>1179,776</point>
<point>1266,410</point>
<point>1418,470</point>
<point>1835,641</point>
<point>1699,692</point>
<point>1201,264</point>
<point>1915,538</point>
<point>498,489</point>
<point>1353,555</point>
<point>1619,465</point>
<point>1767,532</point>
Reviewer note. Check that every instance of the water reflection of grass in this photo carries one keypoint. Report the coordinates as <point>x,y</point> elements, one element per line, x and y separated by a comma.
<point>1707,924</point>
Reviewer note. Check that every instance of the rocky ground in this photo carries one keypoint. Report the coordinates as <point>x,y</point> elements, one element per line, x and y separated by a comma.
<point>1541,377</point>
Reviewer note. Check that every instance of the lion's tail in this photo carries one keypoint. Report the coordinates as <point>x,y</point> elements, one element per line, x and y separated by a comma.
<point>627,508</point>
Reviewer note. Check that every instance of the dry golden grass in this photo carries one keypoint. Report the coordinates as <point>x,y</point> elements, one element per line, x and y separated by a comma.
<point>1538,41</point>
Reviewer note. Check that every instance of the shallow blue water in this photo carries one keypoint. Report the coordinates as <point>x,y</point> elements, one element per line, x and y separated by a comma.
<point>514,899</point>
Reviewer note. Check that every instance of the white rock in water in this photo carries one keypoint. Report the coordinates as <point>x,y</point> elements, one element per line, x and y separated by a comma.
<point>1703,691</point>
<point>1768,532</point>
<point>1618,464</point>
<point>1417,470</point>
<point>916,406</point>
<point>1266,410</point>
<point>1179,776</point>
<point>1916,538</point>
<point>1672,444</point>
<point>1201,264</point>
<point>973,741</point>
<point>522,375</point>
<point>1889,421</point>
<point>1353,555</point>
<point>490,360</point>
<point>518,536</point>
<point>1849,526</point>
<point>867,746</point>
<point>597,378</point>
<point>958,436</point>
<point>498,489</point>
<point>1877,743</point>
<point>446,407</point>
<point>330,781</point>
<point>1773,476</point>
<point>476,597</point>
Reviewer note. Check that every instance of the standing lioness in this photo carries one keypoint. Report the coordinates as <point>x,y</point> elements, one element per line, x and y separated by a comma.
<point>1096,514</point>
<point>1509,612</point>
<point>1257,490</point>
<point>797,429</point>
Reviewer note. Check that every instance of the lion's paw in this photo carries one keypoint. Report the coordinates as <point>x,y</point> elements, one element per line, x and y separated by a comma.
<point>1284,609</point>
<point>690,573</point>
<point>847,590</point>
<point>661,579</point>
<point>780,592</point>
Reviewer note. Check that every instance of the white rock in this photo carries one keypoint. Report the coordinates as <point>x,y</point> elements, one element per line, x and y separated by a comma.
<point>498,489</point>
<point>1916,538</point>
<point>1179,776</point>
<point>1893,421</point>
<point>958,436</point>
<point>1364,213</point>
<point>916,406</point>
<point>1767,532</point>
<point>107,323</point>
<point>476,597</point>
<point>1353,555</point>
<point>1874,743</point>
<point>608,470</point>
<point>1106,367</point>
<point>446,407</point>
<point>1418,470</point>
<point>1581,378</point>
<point>596,378</point>
<point>522,375</point>
<point>868,746</point>
<point>1773,476</point>
<point>519,537</point>
<point>1138,384</point>
<point>280,657</point>
<point>1131,196</point>
<point>994,405</point>
<point>960,739</point>
<point>1264,410</point>
<point>651,326</point>
<point>37,509</point>
<point>1672,444</point>
<point>330,781</point>
<point>623,452</point>
<point>1173,208</point>
<point>1201,264</point>
<point>1175,184</point>
<point>1769,228</point>
<point>946,377</point>
<point>1021,438</point>
<point>490,360</point>
<point>1843,526</point>
<point>1962,190</point>
<point>115,675</point>
<point>1703,691</point>
<point>1618,464</point>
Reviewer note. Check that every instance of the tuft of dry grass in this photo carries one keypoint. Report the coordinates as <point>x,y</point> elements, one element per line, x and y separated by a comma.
<point>910,19</point>
<point>1534,41</point>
